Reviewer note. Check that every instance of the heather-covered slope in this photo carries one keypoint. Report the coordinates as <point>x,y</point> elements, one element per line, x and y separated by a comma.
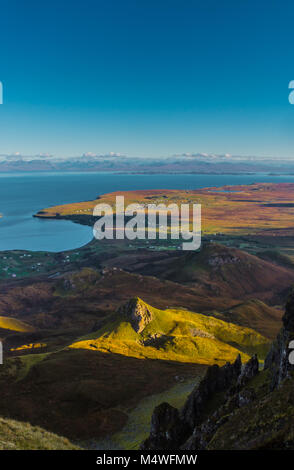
<point>228,272</point>
<point>214,272</point>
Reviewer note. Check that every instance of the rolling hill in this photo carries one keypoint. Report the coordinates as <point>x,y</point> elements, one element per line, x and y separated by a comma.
<point>215,280</point>
<point>215,271</point>
<point>227,272</point>
<point>139,330</point>
<point>138,351</point>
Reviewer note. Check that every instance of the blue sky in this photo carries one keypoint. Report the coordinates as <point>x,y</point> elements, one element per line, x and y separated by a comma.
<point>147,78</point>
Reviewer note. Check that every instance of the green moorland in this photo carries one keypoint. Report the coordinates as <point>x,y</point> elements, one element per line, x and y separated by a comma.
<point>15,435</point>
<point>264,424</point>
<point>177,335</point>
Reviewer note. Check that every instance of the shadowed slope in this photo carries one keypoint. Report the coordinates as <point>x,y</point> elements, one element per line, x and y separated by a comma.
<point>83,394</point>
<point>229,272</point>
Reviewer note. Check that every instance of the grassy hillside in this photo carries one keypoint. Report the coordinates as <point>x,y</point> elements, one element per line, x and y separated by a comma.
<point>265,424</point>
<point>8,323</point>
<point>255,314</point>
<point>15,435</point>
<point>174,334</point>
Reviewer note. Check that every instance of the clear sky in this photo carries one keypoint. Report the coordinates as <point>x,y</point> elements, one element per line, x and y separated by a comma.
<point>147,77</point>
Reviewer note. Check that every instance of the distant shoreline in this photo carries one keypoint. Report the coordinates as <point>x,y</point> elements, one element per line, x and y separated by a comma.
<point>20,230</point>
<point>151,173</point>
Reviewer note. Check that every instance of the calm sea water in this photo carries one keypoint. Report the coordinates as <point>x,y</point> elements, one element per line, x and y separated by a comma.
<point>22,195</point>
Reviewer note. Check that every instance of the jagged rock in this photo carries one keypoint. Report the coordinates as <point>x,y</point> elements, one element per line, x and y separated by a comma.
<point>245,397</point>
<point>200,437</point>
<point>277,360</point>
<point>249,370</point>
<point>171,429</point>
<point>201,334</point>
<point>157,340</point>
<point>216,379</point>
<point>68,284</point>
<point>203,434</point>
<point>226,412</point>
<point>220,260</point>
<point>137,313</point>
<point>167,429</point>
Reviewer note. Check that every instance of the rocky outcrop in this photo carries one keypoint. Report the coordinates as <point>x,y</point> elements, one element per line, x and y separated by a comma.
<point>167,428</point>
<point>232,408</point>
<point>220,260</point>
<point>217,379</point>
<point>203,433</point>
<point>193,427</point>
<point>137,313</point>
<point>277,361</point>
<point>249,370</point>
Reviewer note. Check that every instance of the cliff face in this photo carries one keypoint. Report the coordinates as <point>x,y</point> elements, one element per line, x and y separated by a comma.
<point>174,429</point>
<point>216,381</point>
<point>277,361</point>
<point>138,313</point>
<point>235,406</point>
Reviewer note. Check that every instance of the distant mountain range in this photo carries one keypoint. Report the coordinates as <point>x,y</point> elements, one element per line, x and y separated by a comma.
<point>180,163</point>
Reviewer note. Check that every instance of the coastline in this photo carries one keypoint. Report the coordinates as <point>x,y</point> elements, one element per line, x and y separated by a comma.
<point>270,205</point>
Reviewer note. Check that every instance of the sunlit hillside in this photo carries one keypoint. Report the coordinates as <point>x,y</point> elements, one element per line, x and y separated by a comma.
<point>141,331</point>
<point>13,324</point>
